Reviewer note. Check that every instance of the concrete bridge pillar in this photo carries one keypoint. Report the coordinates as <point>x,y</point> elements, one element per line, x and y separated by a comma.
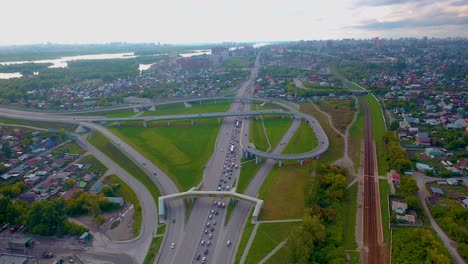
<point>282,116</point>
<point>193,121</point>
<point>256,118</point>
<point>168,123</point>
<point>144,124</point>
<point>117,123</point>
<point>219,120</point>
<point>301,162</point>
<point>257,160</point>
<point>280,163</point>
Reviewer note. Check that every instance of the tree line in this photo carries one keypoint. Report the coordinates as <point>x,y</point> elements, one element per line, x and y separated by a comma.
<point>319,239</point>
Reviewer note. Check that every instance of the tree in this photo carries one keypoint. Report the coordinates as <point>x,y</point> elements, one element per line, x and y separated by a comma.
<point>47,217</point>
<point>394,125</point>
<point>408,185</point>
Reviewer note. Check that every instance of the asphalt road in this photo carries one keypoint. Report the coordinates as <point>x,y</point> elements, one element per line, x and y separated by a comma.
<point>185,237</point>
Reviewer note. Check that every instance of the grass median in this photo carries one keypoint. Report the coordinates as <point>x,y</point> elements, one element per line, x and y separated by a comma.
<point>180,151</point>
<point>335,149</point>
<point>112,152</point>
<point>283,192</point>
<point>194,107</point>
<point>269,235</point>
<point>303,140</point>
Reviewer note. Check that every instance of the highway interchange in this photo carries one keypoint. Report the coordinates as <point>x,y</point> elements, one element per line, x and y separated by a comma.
<point>187,242</point>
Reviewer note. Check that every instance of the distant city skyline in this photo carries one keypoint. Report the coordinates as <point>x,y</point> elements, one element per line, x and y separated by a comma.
<point>214,21</point>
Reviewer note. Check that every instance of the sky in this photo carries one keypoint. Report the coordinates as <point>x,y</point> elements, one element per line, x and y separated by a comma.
<point>201,21</point>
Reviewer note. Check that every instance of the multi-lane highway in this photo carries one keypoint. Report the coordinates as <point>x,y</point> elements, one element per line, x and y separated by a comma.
<point>188,242</point>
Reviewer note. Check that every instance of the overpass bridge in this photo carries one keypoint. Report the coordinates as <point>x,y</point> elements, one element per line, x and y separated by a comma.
<point>85,121</point>
<point>192,193</point>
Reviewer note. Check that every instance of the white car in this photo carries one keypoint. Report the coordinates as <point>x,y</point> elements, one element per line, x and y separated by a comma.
<point>172,245</point>
<point>228,243</point>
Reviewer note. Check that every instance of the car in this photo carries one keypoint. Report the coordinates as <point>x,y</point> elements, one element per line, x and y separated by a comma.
<point>155,173</point>
<point>172,245</point>
<point>210,236</point>
<point>208,243</point>
<point>219,188</point>
<point>47,254</point>
<point>210,216</point>
<point>143,163</point>
<point>14,228</point>
<point>173,220</point>
<point>216,213</point>
<point>198,257</point>
<point>202,242</point>
<point>207,223</point>
<point>4,227</point>
<point>203,260</point>
<point>59,261</point>
<point>228,243</point>
<point>206,252</point>
<point>206,231</point>
<point>214,222</point>
<point>212,211</point>
<point>223,205</point>
<point>212,229</point>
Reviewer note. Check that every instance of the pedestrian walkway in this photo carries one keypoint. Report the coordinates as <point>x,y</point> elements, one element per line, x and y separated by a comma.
<point>273,252</point>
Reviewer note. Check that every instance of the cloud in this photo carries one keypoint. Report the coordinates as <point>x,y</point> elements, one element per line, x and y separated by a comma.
<point>360,3</point>
<point>460,3</point>
<point>414,23</point>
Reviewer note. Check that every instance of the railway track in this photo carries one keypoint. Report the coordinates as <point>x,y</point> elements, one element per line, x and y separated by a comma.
<point>374,250</point>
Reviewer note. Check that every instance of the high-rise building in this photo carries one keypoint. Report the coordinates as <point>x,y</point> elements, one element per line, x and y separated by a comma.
<point>378,43</point>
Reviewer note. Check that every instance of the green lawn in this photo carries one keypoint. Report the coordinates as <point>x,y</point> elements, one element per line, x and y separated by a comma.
<point>384,189</point>
<point>153,250</point>
<point>245,237</point>
<point>129,196</point>
<point>356,86</point>
<point>276,128</point>
<point>356,134</point>
<point>303,140</point>
<point>280,257</point>
<point>378,130</point>
<point>70,148</point>
<point>349,210</point>
<point>335,149</point>
<point>46,125</point>
<point>283,192</point>
<point>208,106</point>
<point>106,147</point>
<point>248,171</point>
<point>96,165</point>
<point>180,151</point>
<point>237,63</point>
<point>268,236</point>
<point>257,135</point>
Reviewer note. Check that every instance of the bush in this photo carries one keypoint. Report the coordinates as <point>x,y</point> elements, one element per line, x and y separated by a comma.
<point>72,228</point>
<point>99,220</point>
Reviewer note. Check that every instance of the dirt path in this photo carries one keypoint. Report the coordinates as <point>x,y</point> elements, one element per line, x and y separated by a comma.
<point>345,161</point>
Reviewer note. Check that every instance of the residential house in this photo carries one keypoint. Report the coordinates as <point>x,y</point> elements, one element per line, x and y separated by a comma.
<point>422,139</point>
<point>433,152</point>
<point>438,192</point>
<point>410,219</point>
<point>96,187</point>
<point>118,200</point>
<point>399,207</point>
<point>423,167</point>
<point>465,202</point>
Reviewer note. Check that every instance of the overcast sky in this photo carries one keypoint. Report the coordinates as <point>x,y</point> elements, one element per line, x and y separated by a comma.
<point>191,21</point>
